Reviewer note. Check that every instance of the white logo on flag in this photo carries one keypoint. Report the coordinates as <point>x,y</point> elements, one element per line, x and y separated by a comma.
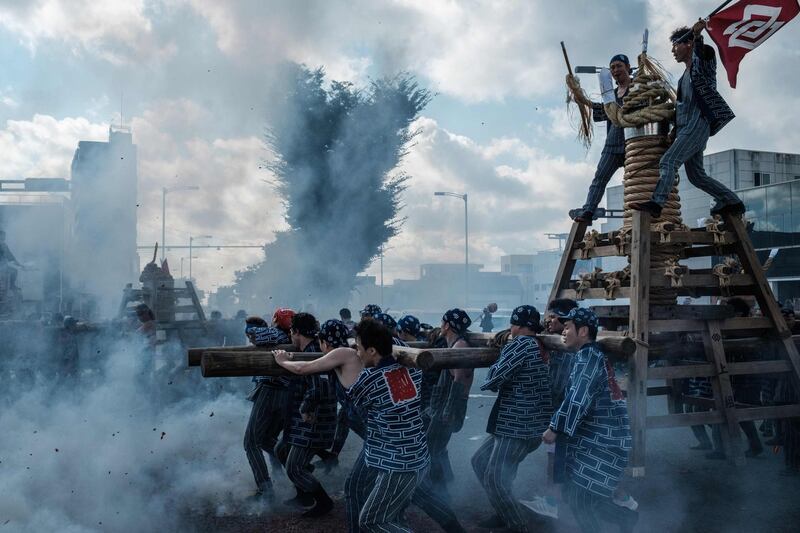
<point>749,33</point>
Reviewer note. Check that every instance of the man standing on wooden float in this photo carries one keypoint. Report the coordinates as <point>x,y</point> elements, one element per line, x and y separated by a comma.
<point>269,396</point>
<point>612,157</point>
<point>520,414</point>
<point>594,421</point>
<point>699,113</point>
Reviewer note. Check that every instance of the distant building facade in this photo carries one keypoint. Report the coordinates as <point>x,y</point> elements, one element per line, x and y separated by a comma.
<point>104,190</point>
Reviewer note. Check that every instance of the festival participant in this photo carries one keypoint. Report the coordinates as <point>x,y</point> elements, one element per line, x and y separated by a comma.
<point>311,422</point>
<point>6,260</point>
<point>338,358</point>
<point>391,470</point>
<point>594,419</point>
<point>520,414</point>
<point>700,112</point>
<point>560,366</point>
<point>448,398</point>
<point>486,322</point>
<point>612,157</point>
<point>347,318</point>
<point>371,310</point>
<point>270,397</point>
<point>409,329</point>
<point>391,325</point>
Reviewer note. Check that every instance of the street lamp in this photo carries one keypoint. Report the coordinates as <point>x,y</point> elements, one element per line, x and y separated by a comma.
<point>182,258</point>
<point>191,239</point>
<point>164,191</point>
<point>466,241</point>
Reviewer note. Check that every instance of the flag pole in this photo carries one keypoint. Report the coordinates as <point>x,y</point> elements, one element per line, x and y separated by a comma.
<point>719,8</point>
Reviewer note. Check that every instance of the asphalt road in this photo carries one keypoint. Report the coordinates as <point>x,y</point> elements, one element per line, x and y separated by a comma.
<point>681,492</point>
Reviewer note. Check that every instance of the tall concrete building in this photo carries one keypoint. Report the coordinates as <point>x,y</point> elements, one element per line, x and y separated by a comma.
<point>104,187</point>
<point>769,185</point>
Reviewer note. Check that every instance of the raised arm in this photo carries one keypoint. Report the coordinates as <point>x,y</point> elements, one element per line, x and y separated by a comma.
<point>329,361</point>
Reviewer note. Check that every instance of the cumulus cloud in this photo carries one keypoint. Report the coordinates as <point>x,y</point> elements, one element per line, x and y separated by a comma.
<point>516,193</point>
<point>116,31</point>
<point>44,145</point>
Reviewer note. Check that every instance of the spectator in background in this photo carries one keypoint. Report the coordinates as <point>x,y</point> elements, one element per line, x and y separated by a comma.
<point>487,325</point>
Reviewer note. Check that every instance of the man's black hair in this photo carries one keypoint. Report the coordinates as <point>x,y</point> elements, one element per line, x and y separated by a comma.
<point>680,33</point>
<point>345,314</point>
<point>562,306</point>
<point>373,334</point>
<point>592,332</point>
<point>740,307</point>
<point>255,321</point>
<point>305,324</point>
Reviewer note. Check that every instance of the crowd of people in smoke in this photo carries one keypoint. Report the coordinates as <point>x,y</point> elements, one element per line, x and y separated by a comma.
<point>567,402</point>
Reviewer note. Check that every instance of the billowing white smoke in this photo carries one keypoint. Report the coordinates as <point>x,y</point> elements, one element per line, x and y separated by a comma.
<point>103,458</point>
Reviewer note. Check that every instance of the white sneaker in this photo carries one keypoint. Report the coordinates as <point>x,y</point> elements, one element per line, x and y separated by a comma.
<point>628,502</point>
<point>542,506</point>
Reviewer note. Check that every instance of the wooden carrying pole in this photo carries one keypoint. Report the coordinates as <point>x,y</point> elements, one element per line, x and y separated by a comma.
<point>193,355</point>
<point>216,364</point>
<point>220,362</point>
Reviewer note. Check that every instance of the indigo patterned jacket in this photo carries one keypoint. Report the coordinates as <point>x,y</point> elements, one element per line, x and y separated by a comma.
<point>267,336</point>
<point>594,417</point>
<point>389,396</point>
<point>316,395</point>
<point>521,378</point>
<point>703,72</point>
<point>560,363</point>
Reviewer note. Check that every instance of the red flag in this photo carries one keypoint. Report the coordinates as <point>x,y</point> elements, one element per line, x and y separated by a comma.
<point>165,266</point>
<point>745,25</point>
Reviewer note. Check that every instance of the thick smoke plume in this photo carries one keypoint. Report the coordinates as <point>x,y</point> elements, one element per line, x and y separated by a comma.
<point>336,150</point>
<point>98,444</point>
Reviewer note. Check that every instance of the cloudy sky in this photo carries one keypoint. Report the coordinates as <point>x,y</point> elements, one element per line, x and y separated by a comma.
<point>191,78</point>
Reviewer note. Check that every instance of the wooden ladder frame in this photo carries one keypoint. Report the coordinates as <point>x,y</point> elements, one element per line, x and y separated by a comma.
<point>718,369</point>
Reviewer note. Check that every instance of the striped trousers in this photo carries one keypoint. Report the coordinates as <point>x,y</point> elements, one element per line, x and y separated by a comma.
<point>687,150</point>
<point>376,498</point>
<point>297,469</point>
<point>608,165</point>
<point>590,509</point>
<point>372,495</point>
<point>263,428</point>
<point>495,463</point>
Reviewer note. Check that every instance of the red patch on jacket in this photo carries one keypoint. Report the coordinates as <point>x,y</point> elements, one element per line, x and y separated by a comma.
<point>616,392</point>
<point>401,386</point>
